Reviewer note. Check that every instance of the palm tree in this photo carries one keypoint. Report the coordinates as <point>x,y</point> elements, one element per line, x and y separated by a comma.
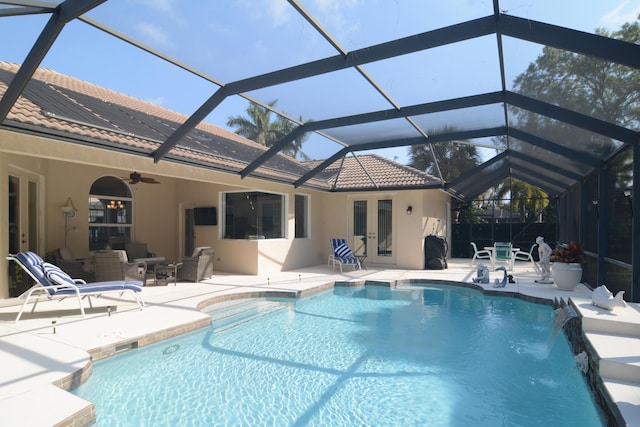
<point>454,157</point>
<point>258,126</point>
<point>526,199</point>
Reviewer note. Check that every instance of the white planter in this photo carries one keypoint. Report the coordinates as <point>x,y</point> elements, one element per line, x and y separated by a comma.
<point>566,276</point>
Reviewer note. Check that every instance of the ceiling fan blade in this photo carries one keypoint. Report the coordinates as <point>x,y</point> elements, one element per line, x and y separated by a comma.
<point>149,181</point>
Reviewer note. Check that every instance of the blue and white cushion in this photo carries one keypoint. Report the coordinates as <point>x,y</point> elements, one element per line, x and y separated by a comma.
<point>343,251</point>
<point>56,276</point>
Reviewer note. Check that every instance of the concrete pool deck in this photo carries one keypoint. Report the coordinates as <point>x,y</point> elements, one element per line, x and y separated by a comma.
<point>39,364</point>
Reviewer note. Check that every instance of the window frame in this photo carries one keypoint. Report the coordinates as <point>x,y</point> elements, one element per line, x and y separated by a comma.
<point>254,202</point>
<point>306,228</point>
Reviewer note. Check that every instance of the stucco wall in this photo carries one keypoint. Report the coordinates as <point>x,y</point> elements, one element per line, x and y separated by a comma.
<point>427,207</point>
<point>68,170</point>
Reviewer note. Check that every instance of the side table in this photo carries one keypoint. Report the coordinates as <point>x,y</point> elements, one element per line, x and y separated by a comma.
<point>361,258</point>
<point>165,273</point>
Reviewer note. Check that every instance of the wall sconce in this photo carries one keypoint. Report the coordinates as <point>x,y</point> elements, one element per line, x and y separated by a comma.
<point>627,194</point>
<point>409,210</point>
<point>69,210</point>
<point>595,204</point>
<point>115,204</point>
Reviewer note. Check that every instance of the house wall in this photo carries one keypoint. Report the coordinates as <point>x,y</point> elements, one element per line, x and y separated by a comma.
<point>67,170</point>
<point>410,230</point>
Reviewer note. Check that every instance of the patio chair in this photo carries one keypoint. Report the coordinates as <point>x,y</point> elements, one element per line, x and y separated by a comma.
<point>502,252</point>
<point>76,268</point>
<point>483,254</point>
<point>114,265</point>
<point>136,250</point>
<point>527,257</point>
<point>53,283</point>
<point>199,266</point>
<point>342,254</point>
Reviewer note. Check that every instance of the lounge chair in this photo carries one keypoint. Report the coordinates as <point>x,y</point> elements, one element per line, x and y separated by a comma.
<point>52,282</point>
<point>342,254</point>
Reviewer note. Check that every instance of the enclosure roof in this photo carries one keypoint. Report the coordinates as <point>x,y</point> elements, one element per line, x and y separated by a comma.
<point>356,79</point>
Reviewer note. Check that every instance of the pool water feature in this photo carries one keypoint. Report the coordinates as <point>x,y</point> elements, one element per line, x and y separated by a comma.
<point>417,355</point>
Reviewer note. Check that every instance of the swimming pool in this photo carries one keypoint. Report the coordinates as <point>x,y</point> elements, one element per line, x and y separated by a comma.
<point>416,355</point>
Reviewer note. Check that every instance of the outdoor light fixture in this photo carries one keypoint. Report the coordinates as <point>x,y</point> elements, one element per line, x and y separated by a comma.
<point>627,194</point>
<point>409,209</point>
<point>595,202</point>
<point>69,210</point>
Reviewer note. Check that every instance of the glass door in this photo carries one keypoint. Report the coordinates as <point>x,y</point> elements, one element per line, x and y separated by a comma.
<point>23,228</point>
<point>372,229</point>
<point>23,213</point>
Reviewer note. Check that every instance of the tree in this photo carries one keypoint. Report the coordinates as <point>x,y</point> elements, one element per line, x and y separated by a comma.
<point>597,88</point>
<point>524,198</point>
<point>454,157</point>
<point>258,126</point>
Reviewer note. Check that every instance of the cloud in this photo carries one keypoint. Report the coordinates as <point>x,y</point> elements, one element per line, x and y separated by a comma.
<point>279,12</point>
<point>165,7</point>
<point>621,14</point>
<point>152,34</point>
<point>333,12</point>
<point>159,101</point>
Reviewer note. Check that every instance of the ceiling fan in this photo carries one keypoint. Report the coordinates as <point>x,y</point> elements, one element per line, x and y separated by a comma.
<point>135,177</point>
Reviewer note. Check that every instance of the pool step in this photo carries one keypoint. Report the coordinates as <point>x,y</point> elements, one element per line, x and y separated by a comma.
<point>618,354</point>
<point>230,314</point>
<point>615,337</point>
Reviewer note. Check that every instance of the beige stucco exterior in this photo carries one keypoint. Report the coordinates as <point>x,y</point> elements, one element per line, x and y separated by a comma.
<point>65,170</point>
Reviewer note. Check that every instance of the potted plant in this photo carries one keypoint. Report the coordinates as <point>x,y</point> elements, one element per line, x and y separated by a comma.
<point>567,265</point>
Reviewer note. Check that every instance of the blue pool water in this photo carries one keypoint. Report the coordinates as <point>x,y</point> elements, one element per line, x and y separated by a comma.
<point>419,355</point>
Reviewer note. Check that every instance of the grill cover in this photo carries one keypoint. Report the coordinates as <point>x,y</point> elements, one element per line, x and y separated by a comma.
<point>435,253</point>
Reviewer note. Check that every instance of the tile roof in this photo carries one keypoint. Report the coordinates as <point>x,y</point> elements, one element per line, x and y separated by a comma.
<point>61,106</point>
<point>371,171</point>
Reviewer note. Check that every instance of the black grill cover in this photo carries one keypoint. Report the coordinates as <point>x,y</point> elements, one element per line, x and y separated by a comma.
<point>435,253</point>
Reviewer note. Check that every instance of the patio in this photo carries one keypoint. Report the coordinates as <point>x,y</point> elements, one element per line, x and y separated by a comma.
<point>45,362</point>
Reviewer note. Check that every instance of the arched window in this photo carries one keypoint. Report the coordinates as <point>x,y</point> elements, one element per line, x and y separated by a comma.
<point>110,214</point>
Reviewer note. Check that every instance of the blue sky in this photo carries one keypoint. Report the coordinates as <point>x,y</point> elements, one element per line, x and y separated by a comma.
<point>243,38</point>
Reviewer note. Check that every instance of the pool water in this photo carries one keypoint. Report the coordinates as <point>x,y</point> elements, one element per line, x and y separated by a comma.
<point>418,355</point>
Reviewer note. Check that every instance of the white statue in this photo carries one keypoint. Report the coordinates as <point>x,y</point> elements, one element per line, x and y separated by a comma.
<point>498,283</point>
<point>544,252</point>
<point>483,274</point>
<point>603,297</point>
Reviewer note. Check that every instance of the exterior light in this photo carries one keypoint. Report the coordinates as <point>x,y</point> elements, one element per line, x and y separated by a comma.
<point>409,210</point>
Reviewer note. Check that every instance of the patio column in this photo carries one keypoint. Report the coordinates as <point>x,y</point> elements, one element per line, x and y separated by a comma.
<point>603,213</point>
<point>635,228</point>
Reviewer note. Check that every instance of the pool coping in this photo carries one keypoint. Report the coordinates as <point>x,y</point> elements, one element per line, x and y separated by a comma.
<point>83,417</point>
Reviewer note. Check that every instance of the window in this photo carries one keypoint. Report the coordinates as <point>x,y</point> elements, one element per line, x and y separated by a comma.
<point>110,214</point>
<point>253,215</point>
<point>301,216</point>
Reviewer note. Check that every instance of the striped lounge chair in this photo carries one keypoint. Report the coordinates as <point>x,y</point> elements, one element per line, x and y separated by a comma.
<point>53,283</point>
<point>342,254</point>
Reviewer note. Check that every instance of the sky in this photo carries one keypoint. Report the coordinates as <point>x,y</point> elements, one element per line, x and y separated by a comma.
<point>232,40</point>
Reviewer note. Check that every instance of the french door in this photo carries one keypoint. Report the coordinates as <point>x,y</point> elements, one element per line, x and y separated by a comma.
<point>372,229</point>
<point>23,204</point>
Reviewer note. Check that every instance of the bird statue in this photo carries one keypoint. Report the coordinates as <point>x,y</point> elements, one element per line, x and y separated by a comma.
<point>498,283</point>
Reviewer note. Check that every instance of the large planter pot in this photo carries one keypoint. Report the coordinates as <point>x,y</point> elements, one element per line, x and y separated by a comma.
<point>566,276</point>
